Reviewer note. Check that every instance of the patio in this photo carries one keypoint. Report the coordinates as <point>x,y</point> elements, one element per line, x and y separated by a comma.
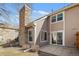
<point>60,50</point>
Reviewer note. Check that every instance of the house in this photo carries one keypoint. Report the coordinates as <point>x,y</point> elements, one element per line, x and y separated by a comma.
<point>58,28</point>
<point>7,33</point>
<point>64,25</point>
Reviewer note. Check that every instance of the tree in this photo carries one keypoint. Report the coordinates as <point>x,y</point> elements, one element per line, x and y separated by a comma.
<point>5,14</point>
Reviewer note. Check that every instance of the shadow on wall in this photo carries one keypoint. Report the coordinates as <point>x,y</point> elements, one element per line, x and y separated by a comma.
<point>12,43</point>
<point>42,25</point>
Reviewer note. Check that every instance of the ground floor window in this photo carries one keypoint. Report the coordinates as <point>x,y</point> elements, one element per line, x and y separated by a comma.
<point>30,35</point>
<point>43,35</point>
<point>57,37</point>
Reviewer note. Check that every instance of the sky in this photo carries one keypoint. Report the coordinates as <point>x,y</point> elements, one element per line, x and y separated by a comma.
<point>11,9</point>
<point>38,10</point>
<point>41,9</point>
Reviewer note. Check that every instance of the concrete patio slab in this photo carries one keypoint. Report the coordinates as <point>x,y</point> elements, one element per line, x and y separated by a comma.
<point>60,50</point>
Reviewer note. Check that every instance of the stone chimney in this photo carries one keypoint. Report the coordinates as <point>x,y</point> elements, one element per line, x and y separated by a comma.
<point>24,15</point>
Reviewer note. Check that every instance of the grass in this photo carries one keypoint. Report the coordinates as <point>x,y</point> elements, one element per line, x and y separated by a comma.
<point>15,52</point>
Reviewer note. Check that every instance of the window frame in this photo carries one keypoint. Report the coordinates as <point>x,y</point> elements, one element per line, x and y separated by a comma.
<point>52,18</point>
<point>28,35</point>
<point>43,37</point>
<point>61,16</point>
<point>56,18</point>
<point>63,38</point>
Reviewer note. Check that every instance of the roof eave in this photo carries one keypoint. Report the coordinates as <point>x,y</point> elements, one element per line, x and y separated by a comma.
<point>65,8</point>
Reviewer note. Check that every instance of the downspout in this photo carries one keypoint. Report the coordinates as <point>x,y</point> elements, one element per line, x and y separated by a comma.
<point>50,28</point>
<point>34,35</point>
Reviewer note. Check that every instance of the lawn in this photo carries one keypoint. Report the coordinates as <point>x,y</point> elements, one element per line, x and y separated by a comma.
<point>15,51</point>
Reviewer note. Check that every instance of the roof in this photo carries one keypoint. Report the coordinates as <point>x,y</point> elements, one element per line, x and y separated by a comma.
<point>65,8</point>
<point>4,26</point>
<point>30,25</point>
<point>59,10</point>
<point>40,18</point>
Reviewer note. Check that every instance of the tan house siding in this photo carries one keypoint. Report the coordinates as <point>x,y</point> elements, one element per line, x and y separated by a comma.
<point>71,26</point>
<point>57,26</point>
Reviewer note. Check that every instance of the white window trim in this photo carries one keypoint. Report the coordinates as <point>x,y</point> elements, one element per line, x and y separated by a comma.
<point>40,36</point>
<point>56,18</point>
<point>28,36</point>
<point>63,37</point>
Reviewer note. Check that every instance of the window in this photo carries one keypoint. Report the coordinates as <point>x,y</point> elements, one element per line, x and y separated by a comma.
<point>60,17</point>
<point>54,19</point>
<point>57,17</point>
<point>30,35</point>
<point>44,36</point>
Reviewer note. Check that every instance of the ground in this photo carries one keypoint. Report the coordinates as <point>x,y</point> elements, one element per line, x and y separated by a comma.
<point>15,51</point>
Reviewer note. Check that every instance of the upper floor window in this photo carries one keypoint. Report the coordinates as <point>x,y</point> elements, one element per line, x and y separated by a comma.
<point>57,17</point>
<point>54,19</point>
<point>60,17</point>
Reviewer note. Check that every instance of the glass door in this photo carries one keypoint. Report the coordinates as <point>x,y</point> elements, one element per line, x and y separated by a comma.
<point>57,38</point>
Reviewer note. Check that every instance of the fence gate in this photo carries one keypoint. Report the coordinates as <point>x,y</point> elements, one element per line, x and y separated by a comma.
<point>77,40</point>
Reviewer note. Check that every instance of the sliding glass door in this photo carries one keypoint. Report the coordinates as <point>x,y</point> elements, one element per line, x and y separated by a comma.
<point>57,37</point>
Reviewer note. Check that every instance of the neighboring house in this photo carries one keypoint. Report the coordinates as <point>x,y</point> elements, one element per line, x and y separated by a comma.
<point>7,33</point>
<point>57,28</point>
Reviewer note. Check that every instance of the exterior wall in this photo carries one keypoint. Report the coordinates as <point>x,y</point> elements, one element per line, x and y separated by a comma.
<point>42,25</point>
<point>71,26</point>
<point>57,26</point>
<point>7,34</point>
